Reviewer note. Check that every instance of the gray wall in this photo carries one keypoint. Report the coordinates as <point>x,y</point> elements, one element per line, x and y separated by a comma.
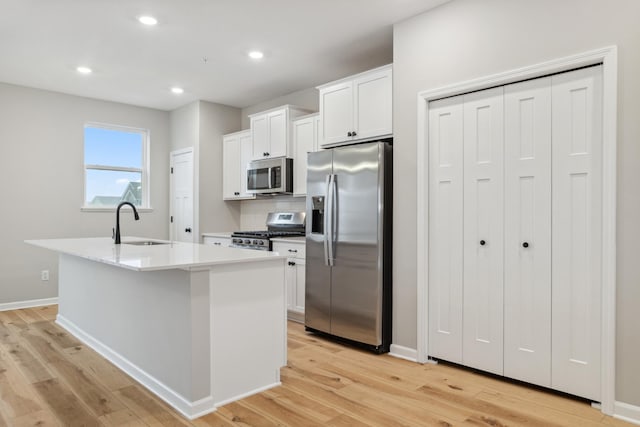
<point>467,39</point>
<point>307,98</point>
<point>201,125</point>
<point>42,179</point>
<point>215,214</point>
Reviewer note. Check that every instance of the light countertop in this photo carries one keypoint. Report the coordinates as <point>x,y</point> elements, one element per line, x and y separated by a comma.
<point>173,255</point>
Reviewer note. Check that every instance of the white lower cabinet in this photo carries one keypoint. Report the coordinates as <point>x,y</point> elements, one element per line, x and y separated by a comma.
<point>216,241</point>
<point>515,225</point>
<point>295,276</point>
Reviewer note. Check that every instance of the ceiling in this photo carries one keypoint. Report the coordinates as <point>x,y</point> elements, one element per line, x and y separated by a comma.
<point>199,45</point>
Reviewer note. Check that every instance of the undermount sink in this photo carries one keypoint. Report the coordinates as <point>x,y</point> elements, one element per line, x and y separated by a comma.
<point>145,243</point>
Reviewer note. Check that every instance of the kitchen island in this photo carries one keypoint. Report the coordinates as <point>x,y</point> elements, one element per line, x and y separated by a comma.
<point>198,325</point>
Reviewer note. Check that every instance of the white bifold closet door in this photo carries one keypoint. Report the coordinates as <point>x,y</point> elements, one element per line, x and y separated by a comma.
<point>577,231</point>
<point>482,331</point>
<point>527,259</point>
<point>445,229</point>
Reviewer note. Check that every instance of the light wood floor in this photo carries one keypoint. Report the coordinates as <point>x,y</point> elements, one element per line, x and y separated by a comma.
<point>49,378</point>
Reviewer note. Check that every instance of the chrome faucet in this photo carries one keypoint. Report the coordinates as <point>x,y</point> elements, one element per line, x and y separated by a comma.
<point>116,231</point>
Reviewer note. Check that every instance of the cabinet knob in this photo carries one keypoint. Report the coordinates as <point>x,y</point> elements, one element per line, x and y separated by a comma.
<point>236,193</point>
<point>291,263</point>
<point>349,133</point>
<point>293,250</point>
<point>525,245</point>
<point>353,133</point>
<point>266,154</point>
<point>482,243</point>
<point>187,230</point>
<point>217,243</point>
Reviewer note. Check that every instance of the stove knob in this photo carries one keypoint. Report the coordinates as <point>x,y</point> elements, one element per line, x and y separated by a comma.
<point>260,242</point>
<point>255,242</point>
<point>248,242</point>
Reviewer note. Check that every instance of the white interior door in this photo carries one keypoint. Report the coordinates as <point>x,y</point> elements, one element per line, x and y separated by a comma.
<point>483,230</point>
<point>577,231</point>
<point>182,226</point>
<point>445,228</point>
<point>527,258</point>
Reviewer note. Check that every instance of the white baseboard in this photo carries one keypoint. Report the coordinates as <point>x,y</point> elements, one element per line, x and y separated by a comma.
<point>28,304</point>
<point>402,352</point>
<point>190,410</point>
<point>247,394</point>
<point>626,412</point>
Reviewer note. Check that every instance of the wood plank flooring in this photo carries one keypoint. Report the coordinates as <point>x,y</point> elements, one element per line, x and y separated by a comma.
<point>48,378</point>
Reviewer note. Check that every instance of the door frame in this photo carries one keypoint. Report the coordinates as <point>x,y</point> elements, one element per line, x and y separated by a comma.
<point>172,154</point>
<point>608,57</point>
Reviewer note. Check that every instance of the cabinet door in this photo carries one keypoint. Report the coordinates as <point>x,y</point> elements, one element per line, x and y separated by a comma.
<point>278,133</point>
<point>217,241</point>
<point>527,258</point>
<point>231,154</point>
<point>260,136</point>
<point>336,110</point>
<point>246,147</point>
<point>373,105</point>
<point>483,230</point>
<point>298,301</point>
<point>445,229</point>
<point>304,141</point>
<point>577,231</point>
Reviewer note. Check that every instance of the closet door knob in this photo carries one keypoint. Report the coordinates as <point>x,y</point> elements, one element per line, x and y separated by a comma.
<point>482,243</point>
<point>525,245</point>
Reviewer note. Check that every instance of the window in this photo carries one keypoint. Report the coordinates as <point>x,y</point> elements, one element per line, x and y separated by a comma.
<point>115,166</point>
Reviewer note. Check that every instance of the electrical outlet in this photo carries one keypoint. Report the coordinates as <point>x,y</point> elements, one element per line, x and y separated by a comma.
<point>44,275</point>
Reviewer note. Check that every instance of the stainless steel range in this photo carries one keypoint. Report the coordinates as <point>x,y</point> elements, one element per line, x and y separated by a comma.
<point>279,224</point>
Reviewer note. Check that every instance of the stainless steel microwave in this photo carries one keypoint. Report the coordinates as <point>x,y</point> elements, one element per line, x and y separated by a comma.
<point>270,176</point>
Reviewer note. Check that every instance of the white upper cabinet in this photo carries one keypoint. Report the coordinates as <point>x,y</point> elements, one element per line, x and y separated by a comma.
<point>236,153</point>
<point>271,132</point>
<point>305,140</point>
<point>357,108</point>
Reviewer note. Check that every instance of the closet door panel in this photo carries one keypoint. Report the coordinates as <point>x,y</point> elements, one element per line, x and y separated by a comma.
<point>483,230</point>
<point>445,229</point>
<point>527,258</point>
<point>577,231</point>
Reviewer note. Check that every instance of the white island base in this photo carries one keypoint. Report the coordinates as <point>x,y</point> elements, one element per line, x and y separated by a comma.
<point>197,337</point>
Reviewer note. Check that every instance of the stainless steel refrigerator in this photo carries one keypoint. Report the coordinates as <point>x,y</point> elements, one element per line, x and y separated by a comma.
<point>348,251</point>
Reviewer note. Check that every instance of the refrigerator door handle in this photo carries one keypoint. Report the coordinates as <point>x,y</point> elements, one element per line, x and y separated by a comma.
<point>325,226</point>
<point>332,217</point>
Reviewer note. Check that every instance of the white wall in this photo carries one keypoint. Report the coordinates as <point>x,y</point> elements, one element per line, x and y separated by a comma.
<point>466,39</point>
<point>42,178</point>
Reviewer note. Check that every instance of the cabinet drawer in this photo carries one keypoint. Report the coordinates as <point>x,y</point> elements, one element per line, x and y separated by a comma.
<point>216,241</point>
<point>292,250</point>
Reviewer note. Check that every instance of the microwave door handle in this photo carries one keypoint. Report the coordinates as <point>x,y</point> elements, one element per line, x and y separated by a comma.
<point>270,175</point>
<point>326,219</point>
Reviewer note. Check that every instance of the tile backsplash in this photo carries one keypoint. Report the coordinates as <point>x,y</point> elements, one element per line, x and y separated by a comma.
<point>253,213</point>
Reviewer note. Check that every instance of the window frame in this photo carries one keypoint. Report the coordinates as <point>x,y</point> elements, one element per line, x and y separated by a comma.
<point>144,170</point>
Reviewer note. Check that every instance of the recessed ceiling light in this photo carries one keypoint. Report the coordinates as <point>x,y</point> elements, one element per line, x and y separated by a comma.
<point>256,54</point>
<point>147,20</point>
<point>177,90</point>
<point>84,70</point>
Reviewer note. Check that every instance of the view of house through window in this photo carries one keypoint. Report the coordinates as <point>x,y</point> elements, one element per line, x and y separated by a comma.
<point>114,162</point>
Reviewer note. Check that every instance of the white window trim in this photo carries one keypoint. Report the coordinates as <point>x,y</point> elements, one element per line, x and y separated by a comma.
<point>608,56</point>
<point>145,173</point>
